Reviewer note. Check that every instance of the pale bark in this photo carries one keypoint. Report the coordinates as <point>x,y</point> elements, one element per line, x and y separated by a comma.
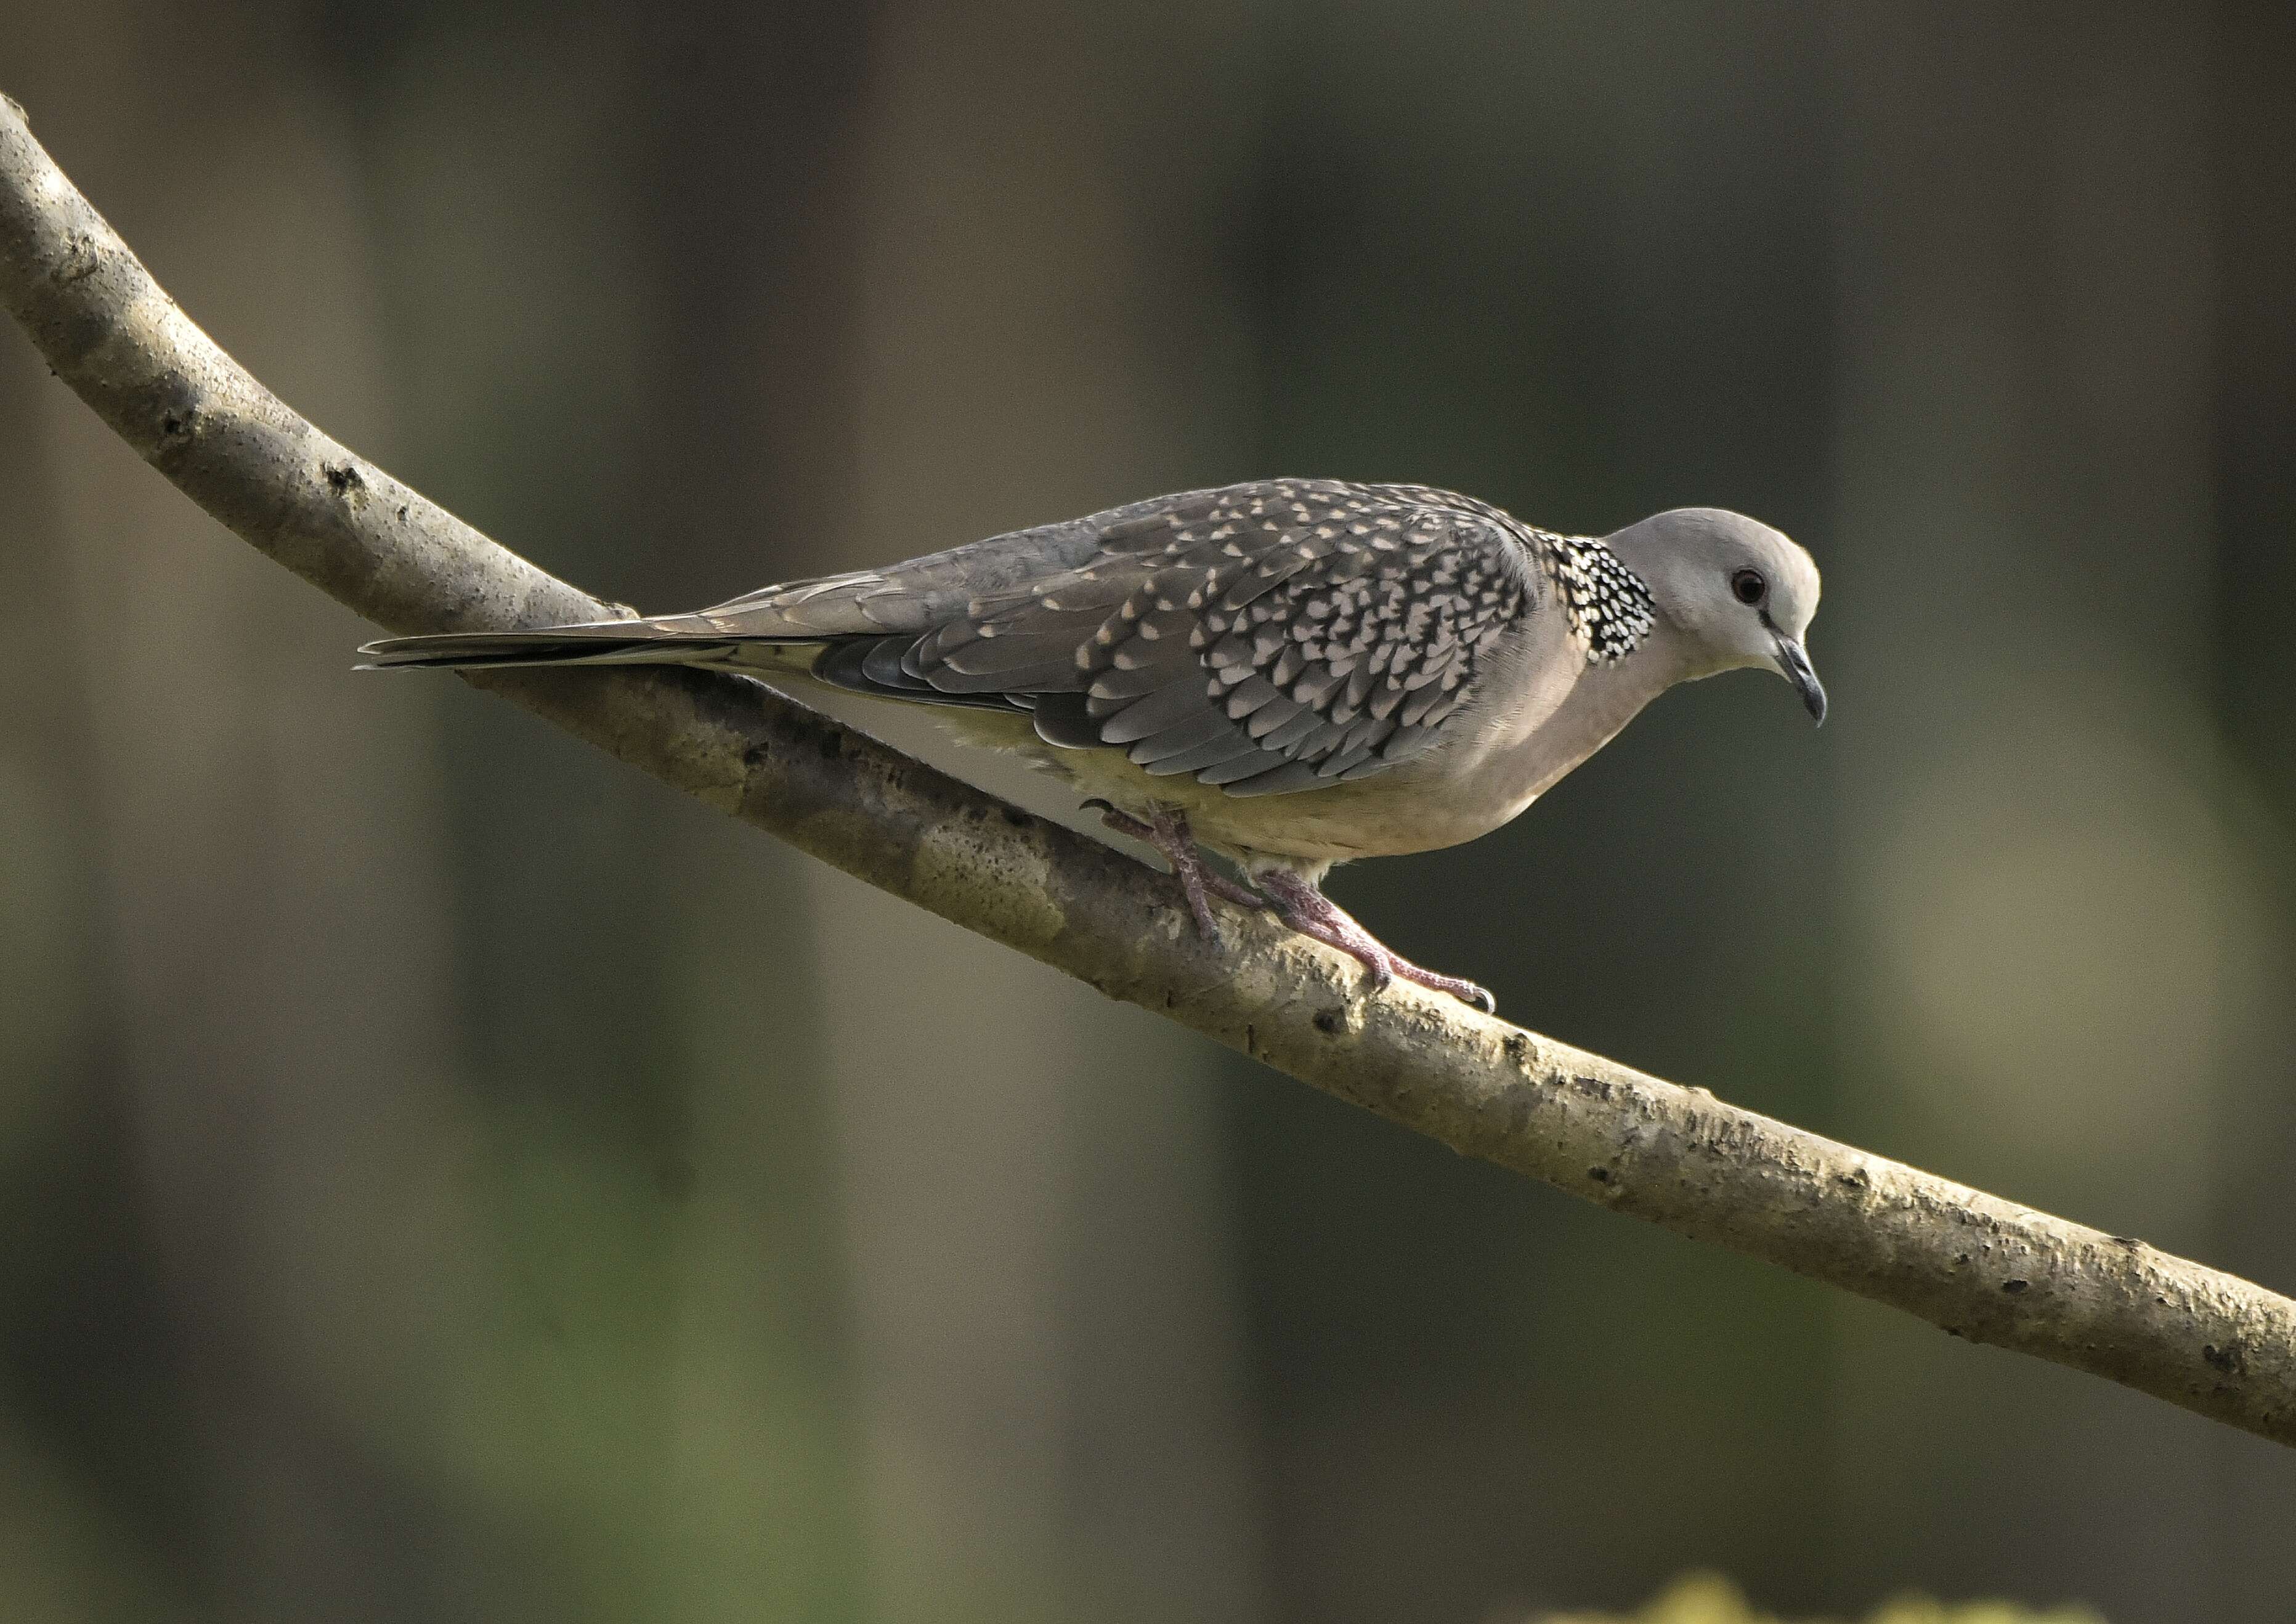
<point>1978,1266</point>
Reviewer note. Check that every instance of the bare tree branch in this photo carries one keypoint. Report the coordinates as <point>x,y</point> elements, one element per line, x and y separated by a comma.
<point>1982,1268</point>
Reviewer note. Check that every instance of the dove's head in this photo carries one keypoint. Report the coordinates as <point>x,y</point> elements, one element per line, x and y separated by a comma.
<point>1731,592</point>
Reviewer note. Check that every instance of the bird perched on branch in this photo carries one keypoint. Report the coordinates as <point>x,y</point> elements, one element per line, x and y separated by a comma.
<point>1292,673</point>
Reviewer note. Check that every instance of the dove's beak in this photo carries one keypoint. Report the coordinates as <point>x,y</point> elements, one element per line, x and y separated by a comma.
<point>1793,662</point>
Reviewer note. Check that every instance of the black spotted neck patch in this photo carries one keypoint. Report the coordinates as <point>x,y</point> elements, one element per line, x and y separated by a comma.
<point>1609,606</point>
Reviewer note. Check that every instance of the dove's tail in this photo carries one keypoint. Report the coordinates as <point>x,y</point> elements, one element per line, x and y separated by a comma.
<point>619,643</point>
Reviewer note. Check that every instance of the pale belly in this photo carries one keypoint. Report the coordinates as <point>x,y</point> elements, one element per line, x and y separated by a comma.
<point>1422,806</point>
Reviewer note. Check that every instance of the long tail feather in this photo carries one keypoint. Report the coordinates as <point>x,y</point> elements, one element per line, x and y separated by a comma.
<point>614,643</point>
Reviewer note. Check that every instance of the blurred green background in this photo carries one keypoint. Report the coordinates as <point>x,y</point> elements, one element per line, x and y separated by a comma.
<point>443,1176</point>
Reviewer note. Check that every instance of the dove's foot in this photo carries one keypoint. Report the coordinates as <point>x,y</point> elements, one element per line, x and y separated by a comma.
<point>1307,910</point>
<point>1199,881</point>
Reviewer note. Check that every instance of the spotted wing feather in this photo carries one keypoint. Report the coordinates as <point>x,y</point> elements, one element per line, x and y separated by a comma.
<point>1264,638</point>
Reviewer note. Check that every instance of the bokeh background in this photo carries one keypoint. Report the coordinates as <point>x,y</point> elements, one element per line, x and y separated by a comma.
<point>443,1176</point>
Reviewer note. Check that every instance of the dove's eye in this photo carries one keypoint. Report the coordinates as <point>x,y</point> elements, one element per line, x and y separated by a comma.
<point>1748,587</point>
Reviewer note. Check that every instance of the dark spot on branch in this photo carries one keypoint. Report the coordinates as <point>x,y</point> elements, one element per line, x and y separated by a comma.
<point>1251,1041</point>
<point>174,405</point>
<point>2015,1286</point>
<point>1327,1022</point>
<point>2226,1358</point>
<point>342,480</point>
<point>756,756</point>
<point>1017,818</point>
<point>1516,1046</point>
<point>829,740</point>
<point>82,260</point>
<point>1600,1176</point>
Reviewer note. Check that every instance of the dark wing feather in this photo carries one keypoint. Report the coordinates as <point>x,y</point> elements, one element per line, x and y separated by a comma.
<point>1265,638</point>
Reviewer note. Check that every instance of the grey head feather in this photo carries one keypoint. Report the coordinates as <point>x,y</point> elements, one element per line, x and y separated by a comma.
<point>1731,592</point>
